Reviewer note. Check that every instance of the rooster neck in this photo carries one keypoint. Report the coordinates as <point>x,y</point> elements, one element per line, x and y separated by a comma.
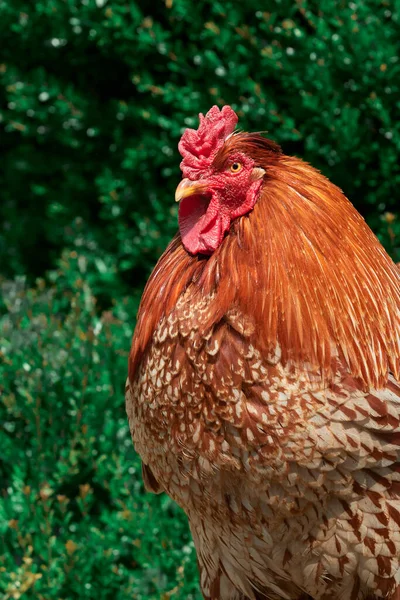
<point>305,267</point>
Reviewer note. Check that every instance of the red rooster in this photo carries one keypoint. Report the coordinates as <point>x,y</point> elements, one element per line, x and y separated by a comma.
<point>263,392</point>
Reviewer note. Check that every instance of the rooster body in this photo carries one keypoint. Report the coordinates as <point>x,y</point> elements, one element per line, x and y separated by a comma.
<point>263,392</point>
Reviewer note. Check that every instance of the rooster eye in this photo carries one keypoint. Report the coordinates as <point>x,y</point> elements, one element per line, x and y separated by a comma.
<point>236,167</point>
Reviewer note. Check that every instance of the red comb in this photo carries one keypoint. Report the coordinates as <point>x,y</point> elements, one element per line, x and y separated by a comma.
<point>198,147</point>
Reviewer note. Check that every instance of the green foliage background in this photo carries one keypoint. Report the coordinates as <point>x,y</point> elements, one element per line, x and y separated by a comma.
<point>94,96</point>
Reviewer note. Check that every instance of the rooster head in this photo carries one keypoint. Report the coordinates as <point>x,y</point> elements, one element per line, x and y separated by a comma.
<point>222,180</point>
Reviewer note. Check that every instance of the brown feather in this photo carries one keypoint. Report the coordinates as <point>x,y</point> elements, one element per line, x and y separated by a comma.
<point>304,263</point>
<point>264,394</point>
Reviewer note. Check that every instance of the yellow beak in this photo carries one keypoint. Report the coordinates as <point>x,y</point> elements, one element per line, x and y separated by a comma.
<point>189,188</point>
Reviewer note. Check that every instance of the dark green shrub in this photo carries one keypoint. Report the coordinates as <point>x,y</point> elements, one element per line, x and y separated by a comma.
<point>95,94</point>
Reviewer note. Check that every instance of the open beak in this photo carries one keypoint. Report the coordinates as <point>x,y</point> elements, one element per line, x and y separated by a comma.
<point>189,188</point>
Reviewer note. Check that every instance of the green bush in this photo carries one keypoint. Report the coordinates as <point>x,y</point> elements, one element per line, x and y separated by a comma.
<point>75,521</point>
<point>94,95</point>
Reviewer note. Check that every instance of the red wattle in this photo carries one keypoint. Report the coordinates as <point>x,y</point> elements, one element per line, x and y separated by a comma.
<point>200,224</point>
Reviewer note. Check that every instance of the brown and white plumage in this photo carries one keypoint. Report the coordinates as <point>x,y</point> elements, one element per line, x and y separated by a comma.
<point>264,396</point>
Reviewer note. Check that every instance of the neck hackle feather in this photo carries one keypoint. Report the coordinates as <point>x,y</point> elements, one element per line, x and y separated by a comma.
<point>303,265</point>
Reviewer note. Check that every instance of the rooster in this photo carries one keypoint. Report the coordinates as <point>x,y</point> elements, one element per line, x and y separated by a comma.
<point>263,393</point>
